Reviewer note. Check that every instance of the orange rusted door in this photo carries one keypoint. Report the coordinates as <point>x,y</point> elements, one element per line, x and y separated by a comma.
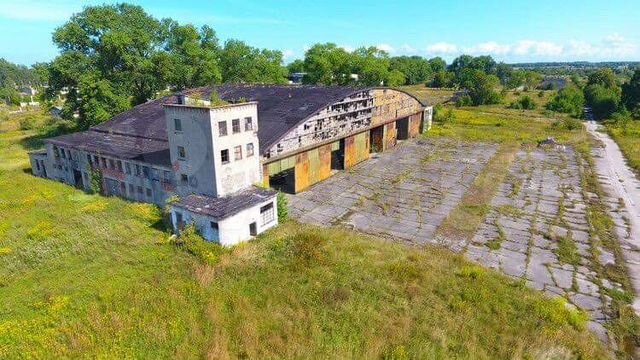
<point>301,172</point>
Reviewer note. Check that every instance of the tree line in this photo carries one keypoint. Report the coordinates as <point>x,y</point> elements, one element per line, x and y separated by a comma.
<point>604,93</point>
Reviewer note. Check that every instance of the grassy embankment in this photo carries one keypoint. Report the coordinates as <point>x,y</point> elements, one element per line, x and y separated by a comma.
<point>83,275</point>
<point>629,141</point>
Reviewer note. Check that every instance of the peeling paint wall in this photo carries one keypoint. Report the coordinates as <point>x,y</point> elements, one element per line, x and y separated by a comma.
<point>356,149</point>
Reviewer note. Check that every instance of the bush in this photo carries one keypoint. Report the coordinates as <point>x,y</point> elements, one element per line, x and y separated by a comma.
<point>95,182</point>
<point>29,122</point>
<point>464,100</point>
<point>283,207</point>
<point>569,100</point>
<point>206,251</point>
<point>603,101</point>
<point>568,124</point>
<point>524,103</point>
<point>442,115</point>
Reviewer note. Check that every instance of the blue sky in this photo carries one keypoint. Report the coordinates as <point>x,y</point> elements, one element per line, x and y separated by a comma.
<point>512,31</point>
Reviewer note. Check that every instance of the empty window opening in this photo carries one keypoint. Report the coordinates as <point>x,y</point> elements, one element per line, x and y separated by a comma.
<point>249,149</point>
<point>177,124</point>
<point>224,156</point>
<point>237,152</point>
<point>182,153</point>
<point>248,124</point>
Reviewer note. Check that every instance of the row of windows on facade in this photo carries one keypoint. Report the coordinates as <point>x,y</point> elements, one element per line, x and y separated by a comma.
<point>222,126</point>
<point>267,215</point>
<point>224,154</point>
<point>128,168</point>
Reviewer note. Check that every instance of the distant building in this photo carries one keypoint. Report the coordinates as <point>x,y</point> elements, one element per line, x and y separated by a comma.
<point>296,78</point>
<point>285,137</point>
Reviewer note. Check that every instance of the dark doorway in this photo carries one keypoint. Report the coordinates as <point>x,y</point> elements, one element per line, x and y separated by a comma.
<point>337,157</point>
<point>376,139</point>
<point>253,229</point>
<point>284,181</point>
<point>77,176</point>
<point>402,126</point>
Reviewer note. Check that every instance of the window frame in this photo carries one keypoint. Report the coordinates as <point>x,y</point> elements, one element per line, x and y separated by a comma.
<point>177,125</point>
<point>182,152</point>
<point>224,153</point>
<point>267,214</point>
<point>222,128</point>
<point>235,124</point>
<point>250,150</point>
<point>237,153</point>
<point>248,123</point>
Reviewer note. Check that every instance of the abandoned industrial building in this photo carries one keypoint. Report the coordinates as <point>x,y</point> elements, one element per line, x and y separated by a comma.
<point>214,157</point>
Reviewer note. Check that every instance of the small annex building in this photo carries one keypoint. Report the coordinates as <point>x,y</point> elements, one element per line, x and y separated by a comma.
<point>214,157</point>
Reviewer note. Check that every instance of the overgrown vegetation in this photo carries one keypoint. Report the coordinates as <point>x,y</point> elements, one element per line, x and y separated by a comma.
<point>88,276</point>
<point>627,134</point>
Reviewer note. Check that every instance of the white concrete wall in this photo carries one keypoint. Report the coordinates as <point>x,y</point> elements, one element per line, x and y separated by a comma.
<point>201,139</point>
<point>231,230</point>
<point>237,174</point>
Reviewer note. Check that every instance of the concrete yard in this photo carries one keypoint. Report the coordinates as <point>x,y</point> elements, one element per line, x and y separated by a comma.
<point>536,229</point>
<point>404,193</point>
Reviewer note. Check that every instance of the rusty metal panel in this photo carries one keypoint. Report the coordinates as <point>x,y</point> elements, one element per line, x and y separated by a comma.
<point>391,104</point>
<point>301,172</point>
<point>377,139</point>
<point>414,125</point>
<point>314,166</point>
<point>325,161</point>
<point>349,152</point>
<point>391,135</point>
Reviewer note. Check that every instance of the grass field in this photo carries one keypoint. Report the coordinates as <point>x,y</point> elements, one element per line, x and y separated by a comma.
<point>629,141</point>
<point>87,276</point>
<point>429,95</point>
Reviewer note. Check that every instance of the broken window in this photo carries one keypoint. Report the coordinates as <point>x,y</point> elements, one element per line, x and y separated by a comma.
<point>237,151</point>
<point>149,193</point>
<point>112,164</point>
<point>146,172</point>
<point>184,179</point>
<point>139,190</point>
<point>69,154</point>
<point>224,156</point>
<point>267,214</point>
<point>249,149</point>
<point>137,170</point>
<point>104,163</point>
<point>182,154</point>
<point>166,177</point>
<point>64,156</point>
<point>177,124</point>
<point>127,168</point>
<point>248,124</point>
<point>120,166</point>
<point>222,128</point>
<point>89,159</point>
<point>56,152</point>
<point>214,225</point>
<point>235,126</point>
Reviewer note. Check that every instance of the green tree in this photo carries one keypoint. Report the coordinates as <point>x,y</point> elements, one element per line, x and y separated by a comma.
<point>416,69</point>
<point>569,100</point>
<point>327,64</point>
<point>110,49</point>
<point>296,66</point>
<point>602,93</point>
<point>437,64</point>
<point>193,56</point>
<point>442,79</point>
<point>631,93</point>
<point>242,63</point>
<point>481,86</point>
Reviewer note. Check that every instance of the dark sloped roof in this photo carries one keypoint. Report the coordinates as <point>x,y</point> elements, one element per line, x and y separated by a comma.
<point>280,108</point>
<point>122,146</point>
<point>223,207</point>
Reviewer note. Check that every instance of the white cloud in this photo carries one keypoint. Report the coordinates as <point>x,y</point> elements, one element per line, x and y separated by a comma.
<point>537,48</point>
<point>490,47</point>
<point>386,47</point>
<point>442,48</point>
<point>408,49</point>
<point>287,54</point>
<point>347,48</point>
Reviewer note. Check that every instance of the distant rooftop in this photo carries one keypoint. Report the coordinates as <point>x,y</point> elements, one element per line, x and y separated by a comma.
<point>223,207</point>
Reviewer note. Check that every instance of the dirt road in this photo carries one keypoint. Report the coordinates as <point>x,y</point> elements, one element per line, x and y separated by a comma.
<point>612,165</point>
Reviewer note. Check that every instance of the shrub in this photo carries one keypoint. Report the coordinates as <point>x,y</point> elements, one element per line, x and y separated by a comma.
<point>464,100</point>
<point>205,251</point>
<point>524,103</point>
<point>28,122</point>
<point>603,101</point>
<point>283,207</point>
<point>442,115</point>
<point>568,124</point>
<point>95,182</point>
<point>569,100</point>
